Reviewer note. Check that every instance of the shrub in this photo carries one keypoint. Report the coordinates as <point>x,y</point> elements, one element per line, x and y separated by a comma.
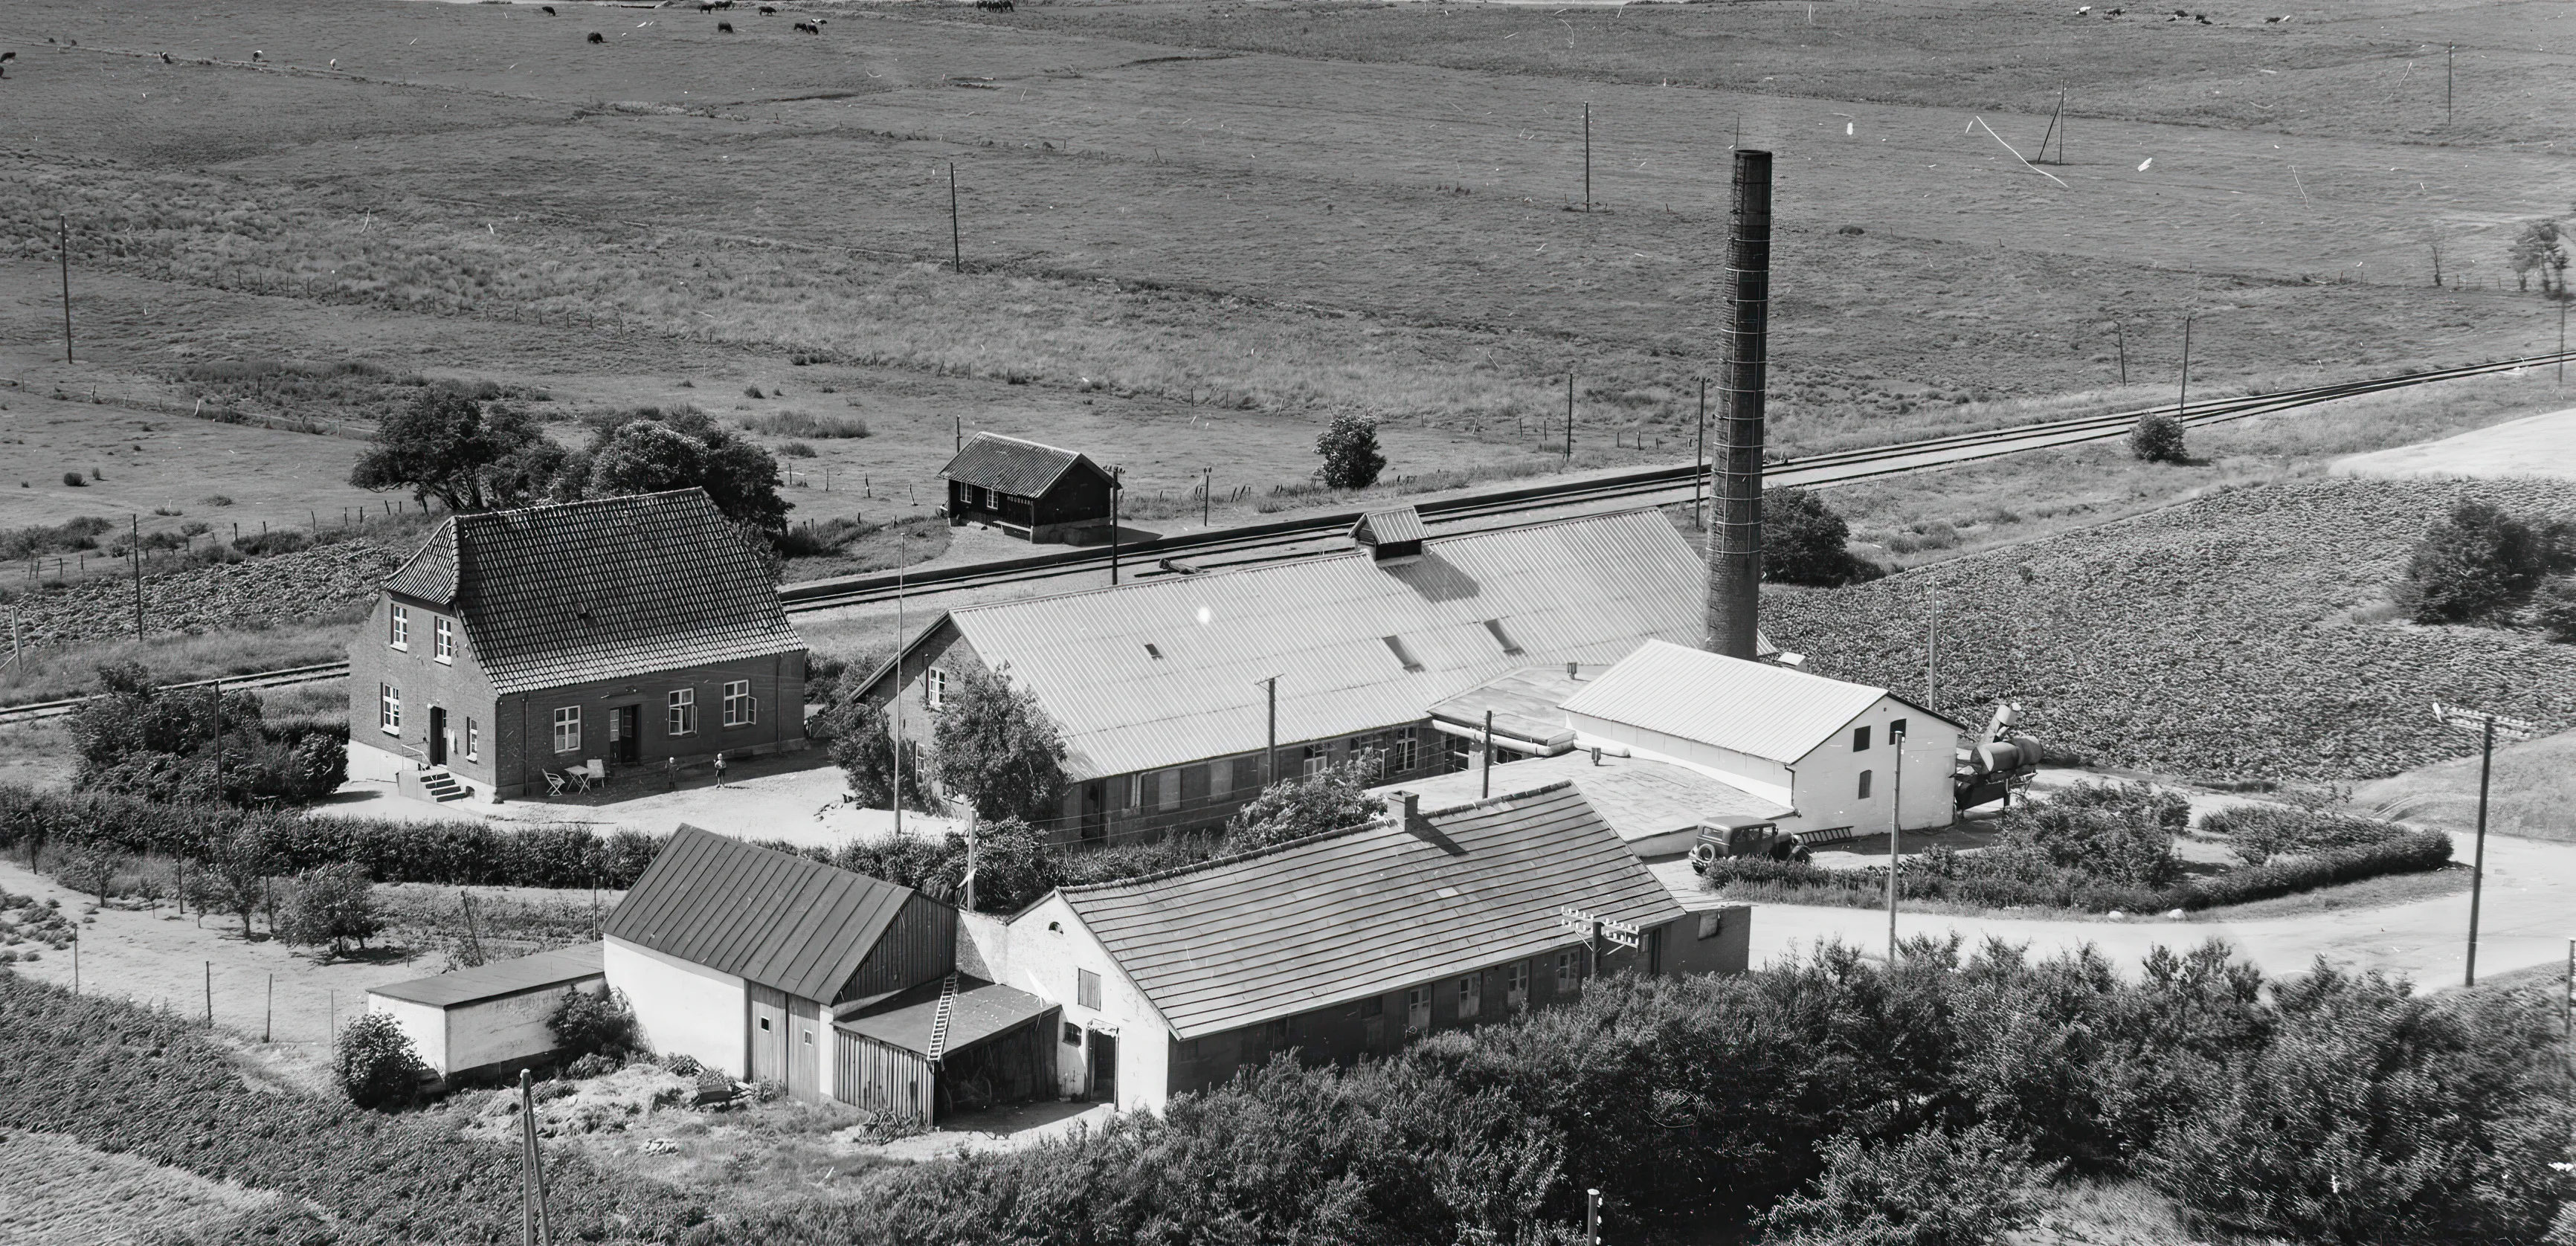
<point>1352,459</point>
<point>805,425</point>
<point>1296,808</point>
<point>74,480</point>
<point>2118,833</point>
<point>272,541</point>
<point>1805,542</point>
<point>797,450</point>
<point>377,1066</point>
<point>2557,610</point>
<point>2158,438</point>
<point>2478,563</point>
<point>2259,832</point>
<point>330,905</point>
<point>995,746</point>
<point>92,868</point>
<point>587,1024</point>
<point>1930,1188</point>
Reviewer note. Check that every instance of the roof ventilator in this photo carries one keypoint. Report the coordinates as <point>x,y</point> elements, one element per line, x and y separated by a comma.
<point>1392,537</point>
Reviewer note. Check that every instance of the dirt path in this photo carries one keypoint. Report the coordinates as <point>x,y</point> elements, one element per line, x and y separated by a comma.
<point>2527,920</point>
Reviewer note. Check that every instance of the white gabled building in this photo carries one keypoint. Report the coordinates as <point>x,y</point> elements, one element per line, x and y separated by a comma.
<point>1819,746</point>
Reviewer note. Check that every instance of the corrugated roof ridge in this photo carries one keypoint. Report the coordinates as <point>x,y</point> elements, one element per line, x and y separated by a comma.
<point>1293,564</point>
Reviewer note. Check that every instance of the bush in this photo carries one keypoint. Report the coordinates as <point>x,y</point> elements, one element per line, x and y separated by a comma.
<point>273,541</point>
<point>1805,542</point>
<point>2556,614</point>
<point>2115,832</point>
<point>2158,438</point>
<point>74,480</point>
<point>330,905</point>
<point>2259,832</point>
<point>1296,808</point>
<point>377,1067</point>
<point>2479,563</point>
<point>1930,1188</point>
<point>1352,459</point>
<point>800,424</point>
<point>2410,852</point>
<point>586,1024</point>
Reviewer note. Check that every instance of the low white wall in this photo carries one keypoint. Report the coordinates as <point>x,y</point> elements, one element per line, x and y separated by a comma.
<point>425,1025</point>
<point>1828,781</point>
<point>369,763</point>
<point>1044,963</point>
<point>681,1008</point>
<point>512,1027</point>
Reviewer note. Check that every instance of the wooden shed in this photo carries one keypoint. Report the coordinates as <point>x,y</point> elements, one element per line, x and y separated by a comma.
<point>490,1017</point>
<point>996,1046</point>
<point>1036,492</point>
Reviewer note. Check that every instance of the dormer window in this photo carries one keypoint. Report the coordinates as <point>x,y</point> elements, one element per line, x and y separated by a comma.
<point>398,632</point>
<point>443,633</point>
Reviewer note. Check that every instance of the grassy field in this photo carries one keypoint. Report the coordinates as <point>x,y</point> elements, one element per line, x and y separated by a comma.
<point>1220,221</point>
<point>66,1193</point>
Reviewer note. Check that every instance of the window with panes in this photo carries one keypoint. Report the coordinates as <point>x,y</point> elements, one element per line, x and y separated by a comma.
<point>739,710</point>
<point>389,708</point>
<point>568,729</point>
<point>682,715</point>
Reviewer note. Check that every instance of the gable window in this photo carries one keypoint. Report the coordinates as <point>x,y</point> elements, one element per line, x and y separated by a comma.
<point>1417,1009</point>
<point>1516,985</point>
<point>1072,1034</point>
<point>399,628</point>
<point>473,741</point>
<point>1086,989</point>
<point>683,715</point>
<point>739,709</point>
<point>1864,785</point>
<point>568,729</point>
<point>389,708</point>
<point>1895,732</point>
<point>934,689</point>
<point>1860,739</point>
<point>443,638</point>
<point>1569,971</point>
<point>1471,996</point>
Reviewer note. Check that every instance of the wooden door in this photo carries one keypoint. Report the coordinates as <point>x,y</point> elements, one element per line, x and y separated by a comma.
<point>625,732</point>
<point>437,735</point>
<point>805,1051</point>
<point>769,1022</point>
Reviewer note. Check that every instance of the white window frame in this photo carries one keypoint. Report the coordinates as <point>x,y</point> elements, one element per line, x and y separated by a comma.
<point>740,710</point>
<point>1417,1009</point>
<point>398,628</point>
<point>934,688</point>
<point>389,709</point>
<point>1402,751</point>
<point>442,630</point>
<point>1086,989</point>
<point>1316,759</point>
<point>1471,996</point>
<point>568,729</point>
<point>1569,970</point>
<point>473,740</point>
<point>1516,979</point>
<point>680,713</point>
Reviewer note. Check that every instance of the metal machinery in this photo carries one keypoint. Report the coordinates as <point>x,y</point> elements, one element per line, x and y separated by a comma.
<point>2000,760</point>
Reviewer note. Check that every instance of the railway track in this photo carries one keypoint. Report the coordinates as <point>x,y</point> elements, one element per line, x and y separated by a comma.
<point>1278,541</point>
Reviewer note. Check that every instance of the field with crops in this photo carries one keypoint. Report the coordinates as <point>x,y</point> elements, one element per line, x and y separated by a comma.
<point>2245,635</point>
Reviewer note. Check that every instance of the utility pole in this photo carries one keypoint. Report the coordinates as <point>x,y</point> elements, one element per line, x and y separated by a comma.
<point>63,247</point>
<point>1592,1198</point>
<point>1895,830</point>
<point>1932,647</point>
<point>1587,156</point>
<point>2183,403</point>
<point>956,248</point>
<point>536,1225</point>
<point>1117,485</point>
<point>1699,463</point>
<point>1485,781</point>
<point>1207,494</point>
<point>2562,339</point>
<point>894,727</point>
<point>957,429</point>
<point>2487,726</point>
<point>134,551</point>
<point>1270,753</point>
<point>215,740</point>
<point>1569,419</point>
<point>2447,50</point>
<point>2121,336</point>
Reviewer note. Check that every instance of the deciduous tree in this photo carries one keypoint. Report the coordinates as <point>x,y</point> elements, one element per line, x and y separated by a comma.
<point>331,906</point>
<point>469,455</point>
<point>649,450</point>
<point>1352,459</point>
<point>995,746</point>
<point>1298,807</point>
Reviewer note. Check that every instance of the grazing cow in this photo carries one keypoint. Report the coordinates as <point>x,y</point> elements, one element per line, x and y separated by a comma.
<point>724,28</point>
<point>256,54</point>
<point>548,9</point>
<point>6,57</point>
<point>809,28</point>
<point>165,59</point>
<point>994,6</point>
<point>767,9</point>
<point>596,37</point>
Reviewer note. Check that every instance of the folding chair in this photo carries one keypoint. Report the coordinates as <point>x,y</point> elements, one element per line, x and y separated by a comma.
<point>554,782</point>
<point>594,771</point>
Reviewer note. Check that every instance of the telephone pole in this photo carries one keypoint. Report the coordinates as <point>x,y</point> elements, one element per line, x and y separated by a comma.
<point>63,248</point>
<point>1587,156</point>
<point>1699,463</point>
<point>1895,829</point>
<point>2488,726</point>
<point>956,248</point>
<point>1569,419</point>
<point>2183,403</point>
<point>1270,753</point>
<point>134,551</point>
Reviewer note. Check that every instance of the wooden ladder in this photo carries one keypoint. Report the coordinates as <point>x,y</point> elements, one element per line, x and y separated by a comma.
<point>939,1018</point>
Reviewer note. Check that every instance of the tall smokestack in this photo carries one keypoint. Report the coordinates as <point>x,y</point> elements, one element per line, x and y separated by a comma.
<point>1735,539</point>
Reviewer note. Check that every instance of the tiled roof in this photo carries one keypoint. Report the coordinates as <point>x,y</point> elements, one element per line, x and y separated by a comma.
<point>771,917</point>
<point>1334,918</point>
<point>980,1011</point>
<point>605,589</point>
<point>1639,797</point>
<point>1753,708</point>
<point>1474,606</point>
<point>562,966</point>
<point>1013,466</point>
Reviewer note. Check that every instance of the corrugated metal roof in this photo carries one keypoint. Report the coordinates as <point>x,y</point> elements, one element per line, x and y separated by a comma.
<point>561,967</point>
<point>1639,797</point>
<point>1014,466</point>
<point>1754,708</point>
<point>603,589</point>
<point>1338,917</point>
<point>1527,704</point>
<point>1390,527</point>
<point>771,917</point>
<point>1578,590</point>
<point>982,1009</point>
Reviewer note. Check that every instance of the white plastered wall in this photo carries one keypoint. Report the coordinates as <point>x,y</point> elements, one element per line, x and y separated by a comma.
<point>512,1027</point>
<point>1828,777</point>
<point>1044,948</point>
<point>681,1008</point>
<point>424,1024</point>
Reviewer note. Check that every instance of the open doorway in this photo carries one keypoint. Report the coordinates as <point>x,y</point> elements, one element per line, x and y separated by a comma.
<point>1104,1067</point>
<point>437,735</point>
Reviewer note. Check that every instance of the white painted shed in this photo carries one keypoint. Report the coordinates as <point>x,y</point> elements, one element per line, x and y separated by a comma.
<point>490,1016</point>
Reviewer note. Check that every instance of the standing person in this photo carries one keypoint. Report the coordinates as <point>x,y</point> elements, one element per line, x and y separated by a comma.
<point>720,770</point>
<point>670,774</point>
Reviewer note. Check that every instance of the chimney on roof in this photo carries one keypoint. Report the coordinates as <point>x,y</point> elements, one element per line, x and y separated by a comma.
<point>1735,539</point>
<point>1408,808</point>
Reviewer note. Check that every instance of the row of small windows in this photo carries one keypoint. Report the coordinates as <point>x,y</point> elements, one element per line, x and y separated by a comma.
<point>680,714</point>
<point>442,631</point>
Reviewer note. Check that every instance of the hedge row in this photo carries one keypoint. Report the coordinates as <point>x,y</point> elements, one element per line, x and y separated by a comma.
<point>1943,876</point>
<point>454,853</point>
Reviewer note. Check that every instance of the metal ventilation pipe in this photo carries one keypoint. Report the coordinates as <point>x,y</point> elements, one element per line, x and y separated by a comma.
<point>1735,538</point>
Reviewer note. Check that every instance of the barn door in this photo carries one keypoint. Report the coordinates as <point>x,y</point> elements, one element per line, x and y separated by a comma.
<point>805,1051</point>
<point>769,1023</point>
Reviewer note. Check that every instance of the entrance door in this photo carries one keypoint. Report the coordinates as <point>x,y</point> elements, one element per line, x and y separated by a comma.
<point>1095,811</point>
<point>1104,1067</point>
<point>805,1052</point>
<point>769,1022</point>
<point>437,736</point>
<point>625,734</point>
